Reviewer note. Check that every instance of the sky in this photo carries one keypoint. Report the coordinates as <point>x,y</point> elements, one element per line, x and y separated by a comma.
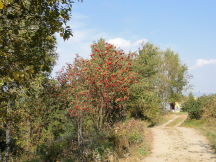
<point>186,26</point>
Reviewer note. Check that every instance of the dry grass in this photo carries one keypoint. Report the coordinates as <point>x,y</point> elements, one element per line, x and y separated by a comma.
<point>165,118</point>
<point>178,121</point>
<point>137,137</point>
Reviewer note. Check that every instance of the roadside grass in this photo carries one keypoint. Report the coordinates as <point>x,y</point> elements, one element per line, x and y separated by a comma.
<point>179,120</point>
<point>182,113</point>
<point>165,118</point>
<point>133,140</point>
<point>206,128</point>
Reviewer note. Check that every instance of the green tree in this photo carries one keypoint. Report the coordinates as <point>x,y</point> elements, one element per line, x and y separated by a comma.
<point>162,79</point>
<point>172,77</point>
<point>145,102</point>
<point>201,108</point>
<point>38,119</point>
<point>27,47</point>
<point>27,37</point>
<point>193,107</point>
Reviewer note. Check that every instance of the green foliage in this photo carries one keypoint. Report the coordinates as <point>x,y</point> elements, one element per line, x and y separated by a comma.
<point>162,78</point>
<point>38,117</point>
<point>143,151</point>
<point>144,101</point>
<point>193,107</point>
<point>147,60</point>
<point>27,54</point>
<point>27,36</point>
<point>135,137</point>
<point>131,136</point>
<point>204,107</point>
<point>102,147</point>
<point>173,77</point>
<point>209,108</point>
<point>50,153</point>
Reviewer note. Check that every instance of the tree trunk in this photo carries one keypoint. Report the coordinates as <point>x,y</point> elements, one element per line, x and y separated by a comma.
<point>8,132</point>
<point>101,114</point>
<point>1,155</point>
<point>29,135</point>
<point>8,139</point>
<point>79,132</point>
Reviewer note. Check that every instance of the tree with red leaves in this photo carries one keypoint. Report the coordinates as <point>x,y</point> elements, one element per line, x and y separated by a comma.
<point>109,77</point>
<point>98,86</point>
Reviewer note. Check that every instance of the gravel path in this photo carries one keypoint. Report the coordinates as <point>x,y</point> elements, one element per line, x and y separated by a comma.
<point>179,144</point>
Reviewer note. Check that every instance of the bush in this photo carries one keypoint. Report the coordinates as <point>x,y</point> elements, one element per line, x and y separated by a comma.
<point>127,134</point>
<point>193,107</point>
<point>144,104</point>
<point>209,108</point>
<point>204,107</point>
<point>135,137</point>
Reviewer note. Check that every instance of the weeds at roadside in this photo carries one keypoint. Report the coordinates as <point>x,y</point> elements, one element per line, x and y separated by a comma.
<point>133,136</point>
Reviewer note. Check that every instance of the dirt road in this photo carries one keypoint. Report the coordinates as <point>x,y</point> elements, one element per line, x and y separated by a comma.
<point>173,143</point>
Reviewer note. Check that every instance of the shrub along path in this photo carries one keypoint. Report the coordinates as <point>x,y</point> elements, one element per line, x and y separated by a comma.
<point>175,143</point>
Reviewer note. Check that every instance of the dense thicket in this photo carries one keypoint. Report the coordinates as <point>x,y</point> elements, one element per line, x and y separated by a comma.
<point>203,107</point>
<point>27,54</point>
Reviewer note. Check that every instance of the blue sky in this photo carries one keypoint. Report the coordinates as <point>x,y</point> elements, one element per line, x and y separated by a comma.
<point>186,26</point>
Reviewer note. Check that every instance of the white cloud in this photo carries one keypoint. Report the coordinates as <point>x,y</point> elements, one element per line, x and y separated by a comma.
<point>120,42</point>
<point>127,45</point>
<point>203,62</point>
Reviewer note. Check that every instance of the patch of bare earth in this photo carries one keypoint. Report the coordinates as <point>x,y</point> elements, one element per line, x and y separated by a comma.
<point>173,143</point>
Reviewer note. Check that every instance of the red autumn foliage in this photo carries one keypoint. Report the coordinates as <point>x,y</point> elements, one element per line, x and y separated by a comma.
<point>100,84</point>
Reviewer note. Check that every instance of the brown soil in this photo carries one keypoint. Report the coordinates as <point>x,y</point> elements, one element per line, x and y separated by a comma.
<point>173,143</point>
